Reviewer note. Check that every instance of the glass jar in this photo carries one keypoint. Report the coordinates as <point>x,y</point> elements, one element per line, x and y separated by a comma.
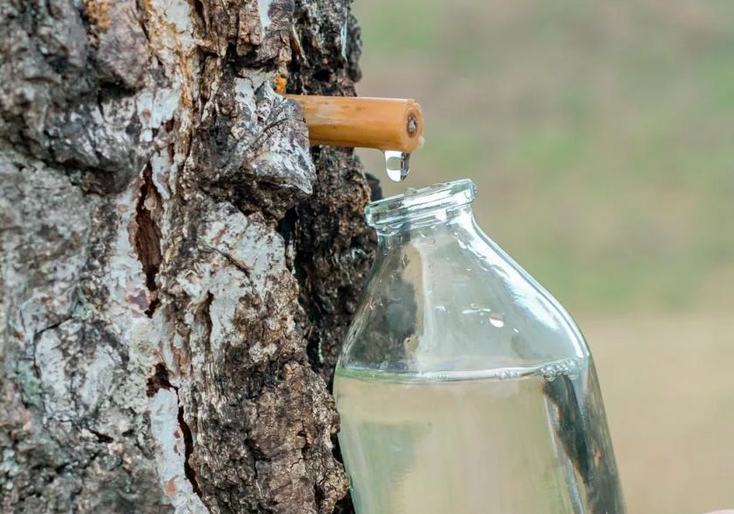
<point>463,386</point>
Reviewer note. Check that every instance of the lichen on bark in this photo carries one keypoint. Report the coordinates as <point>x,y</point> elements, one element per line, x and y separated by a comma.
<point>177,266</point>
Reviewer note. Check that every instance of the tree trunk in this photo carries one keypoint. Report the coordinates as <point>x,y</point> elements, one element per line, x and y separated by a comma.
<point>177,268</point>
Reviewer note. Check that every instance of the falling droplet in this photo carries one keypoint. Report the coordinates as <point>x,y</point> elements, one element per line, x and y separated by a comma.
<point>497,320</point>
<point>397,165</point>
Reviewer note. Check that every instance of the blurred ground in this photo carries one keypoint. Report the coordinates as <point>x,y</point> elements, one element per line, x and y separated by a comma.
<point>669,394</point>
<point>601,136</point>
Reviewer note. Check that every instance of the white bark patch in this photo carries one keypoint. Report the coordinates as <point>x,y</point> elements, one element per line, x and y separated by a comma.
<point>95,387</point>
<point>171,30</point>
<point>128,300</point>
<point>74,385</point>
<point>227,285</point>
<point>248,261</point>
<point>162,168</point>
<point>262,353</point>
<point>245,91</point>
<point>251,246</point>
<point>171,39</point>
<point>51,362</point>
<point>259,77</point>
<point>286,156</point>
<point>155,107</point>
<point>343,33</point>
<point>263,7</point>
<point>171,454</point>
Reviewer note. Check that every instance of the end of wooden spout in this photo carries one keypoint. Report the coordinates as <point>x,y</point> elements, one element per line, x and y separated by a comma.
<point>381,123</point>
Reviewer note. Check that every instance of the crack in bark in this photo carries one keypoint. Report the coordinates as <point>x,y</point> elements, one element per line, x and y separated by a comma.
<point>188,448</point>
<point>52,326</point>
<point>246,271</point>
<point>148,238</point>
<point>139,5</point>
<point>160,380</point>
<point>102,438</point>
<point>207,319</point>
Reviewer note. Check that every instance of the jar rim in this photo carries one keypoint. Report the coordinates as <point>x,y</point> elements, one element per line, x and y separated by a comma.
<point>414,203</point>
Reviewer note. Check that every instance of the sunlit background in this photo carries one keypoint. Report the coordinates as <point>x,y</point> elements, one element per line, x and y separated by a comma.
<point>601,137</point>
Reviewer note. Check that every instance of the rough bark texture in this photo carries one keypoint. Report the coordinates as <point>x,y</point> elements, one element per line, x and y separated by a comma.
<point>177,268</point>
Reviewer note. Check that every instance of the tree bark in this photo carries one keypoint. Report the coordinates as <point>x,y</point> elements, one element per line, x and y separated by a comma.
<point>177,268</point>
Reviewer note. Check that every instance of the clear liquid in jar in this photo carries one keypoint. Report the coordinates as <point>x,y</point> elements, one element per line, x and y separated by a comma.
<point>513,441</point>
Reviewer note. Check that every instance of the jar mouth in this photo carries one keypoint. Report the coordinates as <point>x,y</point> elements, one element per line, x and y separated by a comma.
<point>415,204</point>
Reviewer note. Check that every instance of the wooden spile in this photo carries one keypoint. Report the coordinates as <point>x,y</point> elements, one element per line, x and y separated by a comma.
<point>381,123</point>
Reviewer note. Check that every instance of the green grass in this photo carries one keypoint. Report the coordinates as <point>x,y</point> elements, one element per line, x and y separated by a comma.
<point>601,137</point>
<point>404,28</point>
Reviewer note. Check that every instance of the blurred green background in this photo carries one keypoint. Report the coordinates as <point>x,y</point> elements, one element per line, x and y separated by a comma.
<point>601,138</point>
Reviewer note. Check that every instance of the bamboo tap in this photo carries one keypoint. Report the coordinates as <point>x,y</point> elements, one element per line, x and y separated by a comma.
<point>381,123</point>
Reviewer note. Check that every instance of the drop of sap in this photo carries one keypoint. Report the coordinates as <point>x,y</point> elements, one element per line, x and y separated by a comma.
<point>397,165</point>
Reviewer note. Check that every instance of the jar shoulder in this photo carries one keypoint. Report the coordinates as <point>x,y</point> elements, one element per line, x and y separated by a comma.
<point>446,302</point>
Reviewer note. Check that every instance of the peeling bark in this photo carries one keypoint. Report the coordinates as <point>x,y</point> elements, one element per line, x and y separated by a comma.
<point>177,267</point>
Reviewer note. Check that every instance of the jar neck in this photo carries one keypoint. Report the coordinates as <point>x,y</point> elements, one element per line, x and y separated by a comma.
<point>427,209</point>
<point>430,222</point>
